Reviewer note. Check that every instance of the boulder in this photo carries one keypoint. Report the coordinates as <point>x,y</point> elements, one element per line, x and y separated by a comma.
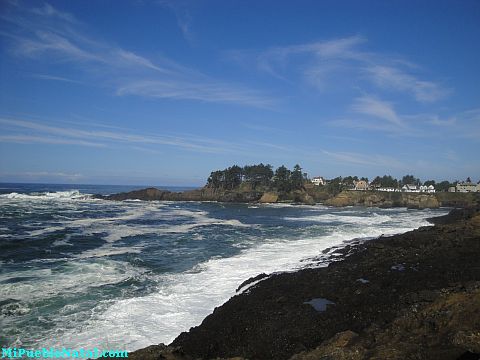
<point>269,197</point>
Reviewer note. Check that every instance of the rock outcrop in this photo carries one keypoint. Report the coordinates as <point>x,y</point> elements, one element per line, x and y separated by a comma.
<point>203,194</point>
<point>384,199</point>
<point>269,197</point>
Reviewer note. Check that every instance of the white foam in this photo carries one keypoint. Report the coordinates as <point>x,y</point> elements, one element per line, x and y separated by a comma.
<point>73,194</point>
<point>183,300</point>
<point>73,277</point>
<point>108,250</point>
<point>46,230</point>
<point>373,219</point>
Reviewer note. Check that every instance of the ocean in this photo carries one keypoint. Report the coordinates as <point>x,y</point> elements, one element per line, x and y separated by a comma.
<point>80,272</point>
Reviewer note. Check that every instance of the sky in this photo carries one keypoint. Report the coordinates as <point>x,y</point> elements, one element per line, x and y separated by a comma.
<point>163,92</point>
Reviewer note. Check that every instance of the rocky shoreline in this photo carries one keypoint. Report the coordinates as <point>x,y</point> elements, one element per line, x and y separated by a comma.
<point>308,196</point>
<point>410,296</point>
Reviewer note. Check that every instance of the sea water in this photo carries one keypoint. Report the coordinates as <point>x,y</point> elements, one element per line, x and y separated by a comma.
<point>80,272</point>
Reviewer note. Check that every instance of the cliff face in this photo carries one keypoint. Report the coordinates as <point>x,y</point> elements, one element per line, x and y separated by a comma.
<point>209,194</point>
<point>345,198</point>
<point>204,194</point>
<point>410,200</point>
<point>384,199</point>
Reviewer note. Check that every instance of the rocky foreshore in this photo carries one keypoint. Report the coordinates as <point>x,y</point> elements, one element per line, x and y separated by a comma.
<point>410,296</point>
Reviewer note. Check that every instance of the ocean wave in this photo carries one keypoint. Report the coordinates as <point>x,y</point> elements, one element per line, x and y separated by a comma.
<point>183,300</point>
<point>58,195</point>
<point>374,218</point>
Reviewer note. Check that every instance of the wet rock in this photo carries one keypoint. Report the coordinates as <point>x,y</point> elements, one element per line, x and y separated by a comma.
<point>251,280</point>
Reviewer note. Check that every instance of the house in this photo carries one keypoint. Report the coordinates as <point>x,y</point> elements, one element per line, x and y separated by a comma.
<point>361,185</point>
<point>387,189</point>
<point>452,189</point>
<point>467,187</point>
<point>318,180</point>
<point>410,188</point>
<point>427,189</point>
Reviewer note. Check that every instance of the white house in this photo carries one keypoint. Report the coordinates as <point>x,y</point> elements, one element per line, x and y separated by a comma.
<point>410,188</point>
<point>467,187</point>
<point>318,180</point>
<point>387,189</point>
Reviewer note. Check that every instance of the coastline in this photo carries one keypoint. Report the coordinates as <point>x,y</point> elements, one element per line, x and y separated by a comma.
<point>391,295</point>
<point>308,196</point>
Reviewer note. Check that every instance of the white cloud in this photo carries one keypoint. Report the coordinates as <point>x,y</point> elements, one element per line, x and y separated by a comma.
<point>383,110</point>
<point>394,78</point>
<point>375,160</point>
<point>35,35</point>
<point>50,11</point>
<point>202,91</point>
<point>322,63</point>
<point>30,139</point>
<point>182,14</point>
<point>55,78</point>
<point>34,132</point>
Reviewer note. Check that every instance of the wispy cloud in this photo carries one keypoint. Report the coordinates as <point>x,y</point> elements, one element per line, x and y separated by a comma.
<point>322,63</point>
<point>365,159</point>
<point>25,131</point>
<point>201,91</point>
<point>377,108</point>
<point>182,14</point>
<point>42,175</point>
<point>49,11</point>
<point>48,34</point>
<point>55,78</point>
<point>394,78</point>
<point>35,139</point>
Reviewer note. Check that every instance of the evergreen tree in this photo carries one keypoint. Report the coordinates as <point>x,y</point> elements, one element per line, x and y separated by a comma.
<point>282,179</point>
<point>296,177</point>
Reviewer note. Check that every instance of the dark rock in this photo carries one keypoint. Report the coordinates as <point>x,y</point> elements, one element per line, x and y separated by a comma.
<point>409,312</point>
<point>251,280</point>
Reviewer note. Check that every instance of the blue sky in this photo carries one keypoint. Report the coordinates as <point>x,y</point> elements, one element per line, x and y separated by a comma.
<point>162,92</point>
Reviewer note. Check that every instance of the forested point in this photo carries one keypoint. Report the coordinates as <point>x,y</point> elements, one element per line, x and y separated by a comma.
<point>258,176</point>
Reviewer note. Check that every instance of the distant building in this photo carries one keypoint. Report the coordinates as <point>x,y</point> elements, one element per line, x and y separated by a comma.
<point>452,189</point>
<point>387,189</point>
<point>318,180</point>
<point>410,188</point>
<point>467,187</point>
<point>427,189</point>
<point>361,185</point>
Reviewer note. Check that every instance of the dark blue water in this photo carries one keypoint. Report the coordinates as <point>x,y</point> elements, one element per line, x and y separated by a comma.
<point>81,272</point>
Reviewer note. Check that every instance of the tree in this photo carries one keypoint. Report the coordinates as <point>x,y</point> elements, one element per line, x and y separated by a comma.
<point>233,177</point>
<point>429,182</point>
<point>258,174</point>
<point>282,179</point>
<point>410,180</point>
<point>296,177</point>
<point>443,186</point>
<point>215,180</point>
<point>349,181</point>
<point>335,185</point>
<point>377,182</point>
<point>468,180</point>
